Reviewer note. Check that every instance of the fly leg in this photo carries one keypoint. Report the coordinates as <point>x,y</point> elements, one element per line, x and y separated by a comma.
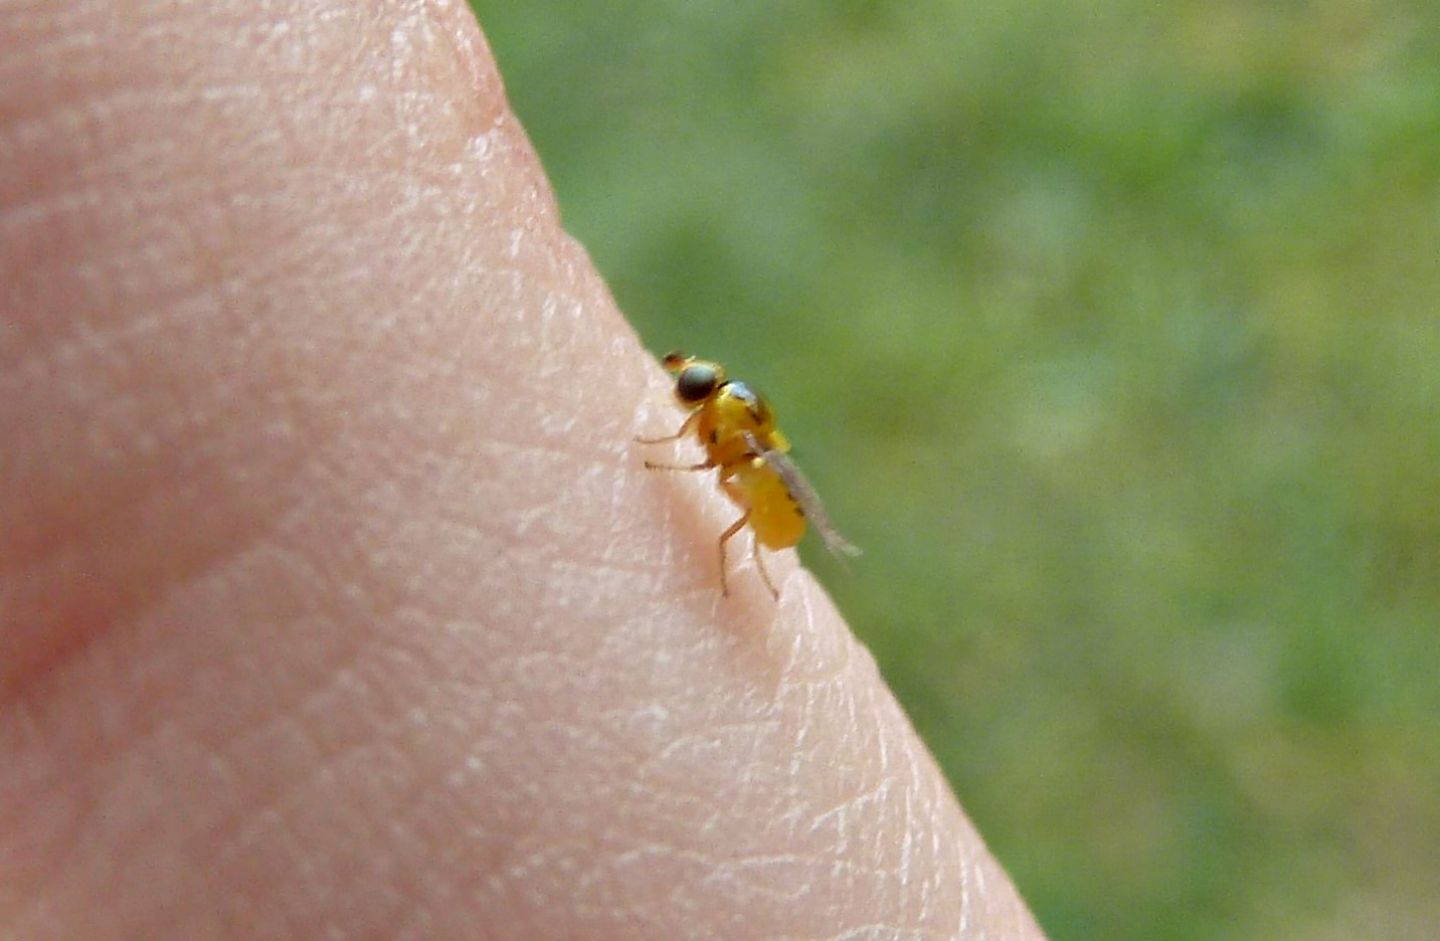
<point>760,564</point>
<point>740,498</point>
<point>684,430</point>
<point>735,527</point>
<point>702,466</point>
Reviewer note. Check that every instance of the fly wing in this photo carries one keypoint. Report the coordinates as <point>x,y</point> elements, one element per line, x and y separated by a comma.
<point>806,496</point>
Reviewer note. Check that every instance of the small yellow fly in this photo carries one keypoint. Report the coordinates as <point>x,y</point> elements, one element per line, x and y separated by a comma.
<point>737,429</point>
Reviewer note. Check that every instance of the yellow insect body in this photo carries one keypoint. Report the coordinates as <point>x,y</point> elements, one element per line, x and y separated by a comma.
<point>775,517</point>
<point>737,430</point>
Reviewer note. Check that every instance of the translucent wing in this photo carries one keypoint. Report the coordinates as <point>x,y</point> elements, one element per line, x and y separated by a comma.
<point>804,495</point>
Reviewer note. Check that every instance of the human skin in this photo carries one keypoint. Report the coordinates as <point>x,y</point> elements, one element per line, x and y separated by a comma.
<point>335,601</point>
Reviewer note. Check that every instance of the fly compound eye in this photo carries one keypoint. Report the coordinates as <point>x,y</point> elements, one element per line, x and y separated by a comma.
<point>696,381</point>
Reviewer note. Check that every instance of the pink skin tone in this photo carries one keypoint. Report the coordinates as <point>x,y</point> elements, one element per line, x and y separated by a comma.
<point>335,601</point>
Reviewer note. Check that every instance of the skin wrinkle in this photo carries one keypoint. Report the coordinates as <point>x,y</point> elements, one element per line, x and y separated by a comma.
<point>150,441</point>
<point>275,725</point>
<point>66,357</point>
<point>136,575</point>
<point>127,768</point>
<point>91,821</point>
<point>176,103</point>
<point>94,342</point>
<point>96,123</point>
<point>355,760</point>
<point>96,339</point>
<point>146,237</point>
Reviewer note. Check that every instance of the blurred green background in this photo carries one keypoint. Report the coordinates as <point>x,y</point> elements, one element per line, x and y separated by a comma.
<point>1110,331</point>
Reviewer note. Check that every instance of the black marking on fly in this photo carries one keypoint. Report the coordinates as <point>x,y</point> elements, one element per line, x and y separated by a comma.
<point>753,403</point>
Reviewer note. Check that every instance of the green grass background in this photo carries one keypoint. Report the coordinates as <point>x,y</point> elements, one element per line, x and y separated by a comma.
<point>1110,331</point>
